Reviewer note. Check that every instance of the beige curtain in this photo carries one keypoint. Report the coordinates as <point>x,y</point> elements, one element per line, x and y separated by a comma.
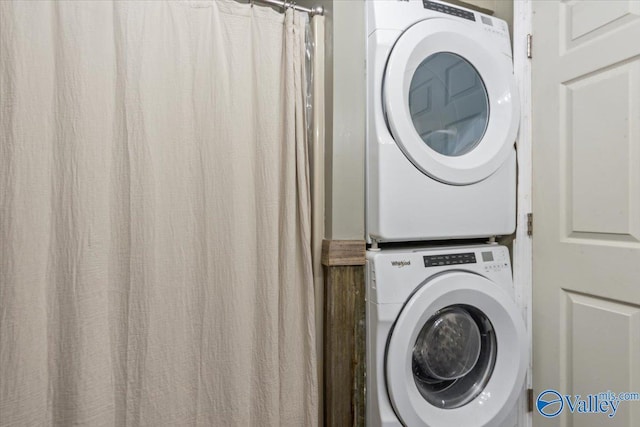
<point>155,260</point>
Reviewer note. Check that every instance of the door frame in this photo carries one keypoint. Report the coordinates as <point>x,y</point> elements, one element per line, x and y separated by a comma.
<point>522,246</point>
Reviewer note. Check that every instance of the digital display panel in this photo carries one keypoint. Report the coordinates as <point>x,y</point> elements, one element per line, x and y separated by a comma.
<point>449,259</point>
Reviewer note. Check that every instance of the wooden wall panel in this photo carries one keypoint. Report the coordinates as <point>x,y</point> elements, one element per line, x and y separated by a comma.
<point>344,334</point>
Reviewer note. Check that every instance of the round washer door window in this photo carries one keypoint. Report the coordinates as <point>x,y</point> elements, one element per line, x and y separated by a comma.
<point>454,356</point>
<point>457,353</point>
<point>448,103</point>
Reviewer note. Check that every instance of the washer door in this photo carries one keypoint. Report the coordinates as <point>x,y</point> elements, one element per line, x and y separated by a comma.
<point>457,354</point>
<point>451,100</point>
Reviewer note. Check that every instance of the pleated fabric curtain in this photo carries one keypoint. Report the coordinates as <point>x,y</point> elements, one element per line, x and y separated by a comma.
<point>155,260</point>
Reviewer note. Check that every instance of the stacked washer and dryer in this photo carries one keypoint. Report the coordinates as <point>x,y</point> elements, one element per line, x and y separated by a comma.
<point>446,342</point>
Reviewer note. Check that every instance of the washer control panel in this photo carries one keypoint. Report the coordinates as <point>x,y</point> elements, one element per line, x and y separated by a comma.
<point>488,260</point>
<point>449,259</point>
<point>494,260</point>
<point>394,274</point>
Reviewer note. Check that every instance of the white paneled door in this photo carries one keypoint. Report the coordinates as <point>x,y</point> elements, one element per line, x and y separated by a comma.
<point>586,204</point>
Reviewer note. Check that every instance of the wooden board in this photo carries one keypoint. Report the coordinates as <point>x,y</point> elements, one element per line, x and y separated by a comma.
<point>344,346</point>
<point>343,252</point>
<point>344,333</point>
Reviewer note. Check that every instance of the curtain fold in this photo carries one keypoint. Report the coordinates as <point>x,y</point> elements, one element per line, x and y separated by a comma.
<point>155,258</point>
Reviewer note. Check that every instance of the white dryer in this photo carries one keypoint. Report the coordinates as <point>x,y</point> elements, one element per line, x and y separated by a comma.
<point>446,343</point>
<point>442,118</point>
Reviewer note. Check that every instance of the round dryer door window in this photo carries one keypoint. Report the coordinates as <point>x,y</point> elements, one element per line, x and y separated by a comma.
<point>448,103</point>
<point>457,354</point>
<point>450,100</point>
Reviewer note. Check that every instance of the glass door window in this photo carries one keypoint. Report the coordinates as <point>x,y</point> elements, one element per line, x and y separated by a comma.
<point>454,356</point>
<point>448,103</point>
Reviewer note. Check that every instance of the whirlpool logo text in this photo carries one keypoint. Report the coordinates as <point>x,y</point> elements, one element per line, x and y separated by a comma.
<point>551,403</point>
<point>400,263</point>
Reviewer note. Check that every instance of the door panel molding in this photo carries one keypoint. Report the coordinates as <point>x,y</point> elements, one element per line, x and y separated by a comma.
<point>586,203</point>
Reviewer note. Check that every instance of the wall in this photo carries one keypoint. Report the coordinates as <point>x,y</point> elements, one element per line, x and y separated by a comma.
<point>345,116</point>
<point>345,122</point>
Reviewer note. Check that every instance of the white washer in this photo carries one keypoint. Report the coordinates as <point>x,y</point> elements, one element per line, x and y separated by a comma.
<point>446,343</point>
<point>442,118</point>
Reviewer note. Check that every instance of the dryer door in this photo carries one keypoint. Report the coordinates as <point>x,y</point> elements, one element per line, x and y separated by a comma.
<point>450,100</point>
<point>457,354</point>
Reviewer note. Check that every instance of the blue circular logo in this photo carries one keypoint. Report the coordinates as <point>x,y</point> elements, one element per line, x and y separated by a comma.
<point>550,403</point>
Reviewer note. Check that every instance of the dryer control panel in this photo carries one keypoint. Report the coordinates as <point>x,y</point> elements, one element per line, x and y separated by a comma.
<point>449,10</point>
<point>492,26</point>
